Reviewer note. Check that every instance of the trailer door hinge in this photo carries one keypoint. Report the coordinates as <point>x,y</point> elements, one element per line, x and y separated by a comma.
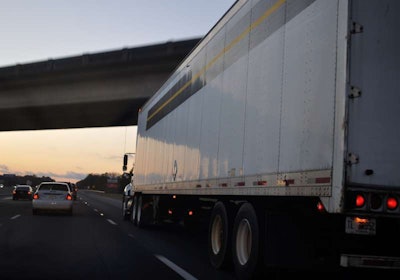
<point>356,28</point>
<point>352,159</point>
<point>354,92</point>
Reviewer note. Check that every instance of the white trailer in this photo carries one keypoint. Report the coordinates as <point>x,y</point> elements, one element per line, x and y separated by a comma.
<point>281,128</point>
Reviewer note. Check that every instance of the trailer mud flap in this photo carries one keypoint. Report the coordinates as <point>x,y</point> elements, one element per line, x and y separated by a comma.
<point>292,240</point>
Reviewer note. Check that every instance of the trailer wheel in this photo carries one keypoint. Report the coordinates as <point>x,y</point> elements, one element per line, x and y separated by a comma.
<point>219,237</point>
<point>246,240</point>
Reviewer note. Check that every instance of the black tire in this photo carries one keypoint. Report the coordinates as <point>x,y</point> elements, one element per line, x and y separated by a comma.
<point>219,237</point>
<point>245,242</point>
<point>34,212</point>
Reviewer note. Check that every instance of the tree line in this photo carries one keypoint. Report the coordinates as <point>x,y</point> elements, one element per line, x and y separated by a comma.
<point>99,182</point>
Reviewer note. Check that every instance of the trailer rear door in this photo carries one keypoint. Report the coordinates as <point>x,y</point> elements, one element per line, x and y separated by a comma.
<point>374,93</point>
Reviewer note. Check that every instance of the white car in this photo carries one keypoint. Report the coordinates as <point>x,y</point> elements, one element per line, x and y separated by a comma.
<point>52,196</point>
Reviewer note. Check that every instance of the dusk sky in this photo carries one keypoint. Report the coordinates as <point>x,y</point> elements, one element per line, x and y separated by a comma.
<point>38,30</point>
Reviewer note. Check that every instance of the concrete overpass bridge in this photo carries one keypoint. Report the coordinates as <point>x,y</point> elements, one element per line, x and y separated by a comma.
<point>92,90</point>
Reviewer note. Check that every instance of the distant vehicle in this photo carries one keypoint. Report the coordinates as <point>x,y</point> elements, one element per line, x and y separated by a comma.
<point>74,190</point>
<point>22,192</point>
<point>52,196</point>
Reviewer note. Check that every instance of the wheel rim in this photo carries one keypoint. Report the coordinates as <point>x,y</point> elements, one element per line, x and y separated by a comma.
<point>244,241</point>
<point>216,235</point>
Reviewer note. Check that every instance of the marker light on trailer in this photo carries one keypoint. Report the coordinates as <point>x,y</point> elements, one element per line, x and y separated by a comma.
<point>320,207</point>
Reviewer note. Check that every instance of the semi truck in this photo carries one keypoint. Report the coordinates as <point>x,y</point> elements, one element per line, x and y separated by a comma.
<point>280,129</point>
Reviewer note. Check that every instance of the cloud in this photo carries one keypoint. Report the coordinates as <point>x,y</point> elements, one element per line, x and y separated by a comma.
<point>73,176</point>
<point>4,168</point>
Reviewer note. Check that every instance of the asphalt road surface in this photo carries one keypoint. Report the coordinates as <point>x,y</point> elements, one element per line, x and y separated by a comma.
<point>95,243</point>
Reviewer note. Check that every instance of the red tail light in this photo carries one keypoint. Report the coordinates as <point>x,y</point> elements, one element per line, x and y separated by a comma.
<point>36,196</point>
<point>392,203</point>
<point>360,200</point>
<point>377,201</point>
<point>69,197</point>
<point>14,191</point>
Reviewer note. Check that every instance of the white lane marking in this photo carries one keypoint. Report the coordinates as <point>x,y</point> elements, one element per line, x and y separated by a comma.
<point>15,217</point>
<point>174,267</point>
<point>111,222</point>
<point>96,210</point>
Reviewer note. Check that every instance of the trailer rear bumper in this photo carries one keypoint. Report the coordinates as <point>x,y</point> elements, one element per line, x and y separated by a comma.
<point>364,261</point>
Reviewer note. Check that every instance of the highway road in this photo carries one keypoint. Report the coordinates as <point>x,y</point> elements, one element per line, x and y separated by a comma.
<point>95,243</point>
